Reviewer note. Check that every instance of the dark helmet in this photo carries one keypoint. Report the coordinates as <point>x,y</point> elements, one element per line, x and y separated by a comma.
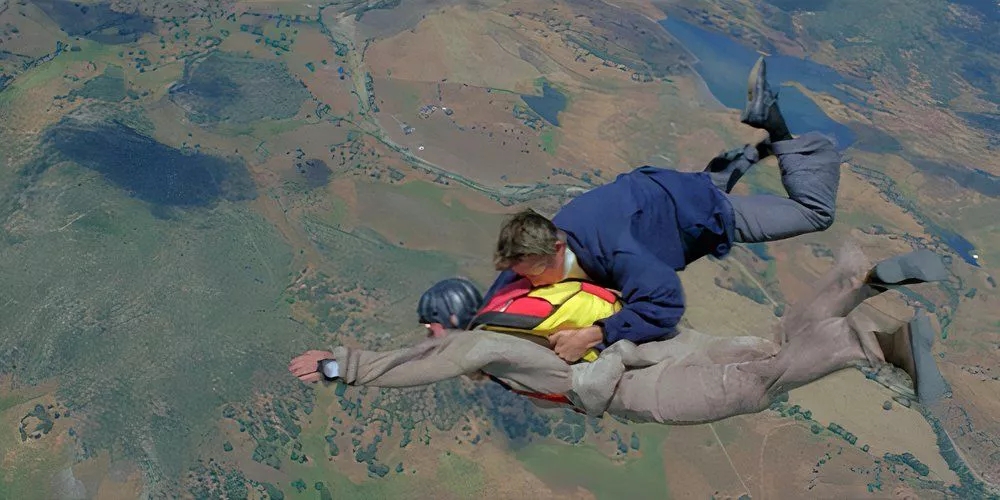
<point>457,296</point>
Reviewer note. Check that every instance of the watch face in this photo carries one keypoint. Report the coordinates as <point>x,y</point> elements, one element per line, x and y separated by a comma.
<point>329,368</point>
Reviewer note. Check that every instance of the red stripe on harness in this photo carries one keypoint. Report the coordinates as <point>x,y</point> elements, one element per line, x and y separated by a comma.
<point>512,299</point>
<point>555,398</point>
<point>508,293</point>
<point>597,291</point>
<point>530,306</point>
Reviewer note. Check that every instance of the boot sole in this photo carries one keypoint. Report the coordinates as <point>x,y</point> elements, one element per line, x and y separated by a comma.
<point>930,385</point>
<point>754,99</point>
<point>752,79</point>
<point>920,266</point>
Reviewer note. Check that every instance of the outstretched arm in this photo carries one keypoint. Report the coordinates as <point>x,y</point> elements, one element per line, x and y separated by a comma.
<point>458,353</point>
<point>428,362</point>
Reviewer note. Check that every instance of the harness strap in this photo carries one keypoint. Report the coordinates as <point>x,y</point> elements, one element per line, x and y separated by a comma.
<point>555,398</point>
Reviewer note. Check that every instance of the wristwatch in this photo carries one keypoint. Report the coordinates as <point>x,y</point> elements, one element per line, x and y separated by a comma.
<point>329,369</point>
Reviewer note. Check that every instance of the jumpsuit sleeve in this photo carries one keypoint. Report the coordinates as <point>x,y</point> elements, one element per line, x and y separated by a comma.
<point>431,361</point>
<point>520,362</point>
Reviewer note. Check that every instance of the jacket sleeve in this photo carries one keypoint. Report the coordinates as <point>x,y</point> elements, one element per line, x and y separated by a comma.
<point>652,294</point>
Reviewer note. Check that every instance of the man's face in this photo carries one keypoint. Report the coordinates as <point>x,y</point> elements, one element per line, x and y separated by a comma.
<point>543,270</point>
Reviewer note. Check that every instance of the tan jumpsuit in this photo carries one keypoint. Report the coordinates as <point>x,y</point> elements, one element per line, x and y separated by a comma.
<point>692,378</point>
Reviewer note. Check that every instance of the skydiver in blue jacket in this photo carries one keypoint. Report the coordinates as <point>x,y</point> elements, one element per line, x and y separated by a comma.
<point>635,233</point>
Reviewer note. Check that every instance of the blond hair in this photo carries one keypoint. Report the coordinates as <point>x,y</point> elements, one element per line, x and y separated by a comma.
<point>524,234</point>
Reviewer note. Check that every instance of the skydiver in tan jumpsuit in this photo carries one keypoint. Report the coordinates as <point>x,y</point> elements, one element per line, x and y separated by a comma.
<point>692,378</point>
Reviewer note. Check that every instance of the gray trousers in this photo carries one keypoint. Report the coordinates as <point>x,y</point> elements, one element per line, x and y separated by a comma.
<point>810,173</point>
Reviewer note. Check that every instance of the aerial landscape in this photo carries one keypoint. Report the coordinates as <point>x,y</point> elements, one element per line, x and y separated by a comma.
<point>193,192</point>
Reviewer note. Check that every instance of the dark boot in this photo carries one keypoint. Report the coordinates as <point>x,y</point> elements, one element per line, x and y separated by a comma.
<point>929,385</point>
<point>919,266</point>
<point>910,350</point>
<point>761,110</point>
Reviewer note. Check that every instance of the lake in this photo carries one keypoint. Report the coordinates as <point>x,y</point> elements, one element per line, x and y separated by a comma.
<point>963,247</point>
<point>724,65</point>
<point>548,105</point>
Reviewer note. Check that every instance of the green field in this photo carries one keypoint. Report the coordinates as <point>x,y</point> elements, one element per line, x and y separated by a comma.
<point>565,467</point>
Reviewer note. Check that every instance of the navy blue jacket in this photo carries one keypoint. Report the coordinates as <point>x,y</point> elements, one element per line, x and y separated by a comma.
<point>634,234</point>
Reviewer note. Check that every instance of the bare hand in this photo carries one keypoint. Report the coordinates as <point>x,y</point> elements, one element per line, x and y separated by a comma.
<point>571,345</point>
<point>305,366</point>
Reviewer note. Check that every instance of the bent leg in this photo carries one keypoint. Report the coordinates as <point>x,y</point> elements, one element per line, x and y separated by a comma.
<point>596,384</point>
<point>744,377</point>
<point>689,393</point>
<point>697,389</point>
<point>838,292</point>
<point>810,173</point>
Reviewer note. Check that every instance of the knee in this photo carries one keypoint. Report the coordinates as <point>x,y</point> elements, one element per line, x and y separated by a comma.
<point>822,151</point>
<point>822,208</point>
<point>823,219</point>
<point>819,142</point>
<point>827,161</point>
<point>748,393</point>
